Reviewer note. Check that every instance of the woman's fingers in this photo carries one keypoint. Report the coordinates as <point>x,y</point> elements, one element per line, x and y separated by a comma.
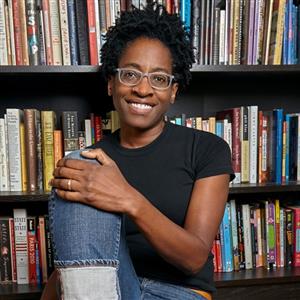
<point>98,154</point>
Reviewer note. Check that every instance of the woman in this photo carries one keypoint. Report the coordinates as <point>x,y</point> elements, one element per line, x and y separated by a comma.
<point>153,188</point>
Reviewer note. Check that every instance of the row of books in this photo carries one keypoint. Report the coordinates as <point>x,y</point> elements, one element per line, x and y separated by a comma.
<point>265,145</point>
<point>31,144</point>
<point>61,32</point>
<point>244,32</point>
<point>26,253</point>
<point>261,234</point>
<point>54,32</point>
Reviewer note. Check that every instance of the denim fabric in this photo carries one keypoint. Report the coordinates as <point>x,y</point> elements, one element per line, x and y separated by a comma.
<point>156,290</point>
<point>92,257</point>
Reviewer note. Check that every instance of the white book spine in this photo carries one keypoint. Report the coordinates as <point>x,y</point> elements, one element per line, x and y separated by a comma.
<point>98,32</point>
<point>20,222</point>
<point>87,129</point>
<point>247,236</point>
<point>112,12</point>
<point>4,175</point>
<point>3,39</point>
<point>11,33</point>
<point>253,124</point>
<point>64,30</point>
<point>55,32</point>
<point>14,148</point>
<point>222,38</point>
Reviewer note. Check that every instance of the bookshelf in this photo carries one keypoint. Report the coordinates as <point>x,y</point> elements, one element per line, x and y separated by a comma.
<point>213,88</point>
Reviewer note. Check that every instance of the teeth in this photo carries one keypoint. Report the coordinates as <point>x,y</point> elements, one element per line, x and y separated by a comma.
<point>141,106</point>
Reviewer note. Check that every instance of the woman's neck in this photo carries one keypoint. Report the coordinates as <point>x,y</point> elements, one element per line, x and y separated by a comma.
<point>137,138</point>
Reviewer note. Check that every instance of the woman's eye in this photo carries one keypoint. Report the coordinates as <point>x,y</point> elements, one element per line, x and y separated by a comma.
<point>130,75</point>
<point>160,78</point>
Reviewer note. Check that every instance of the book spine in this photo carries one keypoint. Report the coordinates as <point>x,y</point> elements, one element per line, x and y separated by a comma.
<point>48,126</point>
<point>5,253</point>
<point>4,175</point>
<point>31,155</point>
<point>47,32</point>
<point>82,31</point>
<point>24,177</point>
<point>13,249</point>
<point>32,32</point>
<point>23,28</point>
<point>3,36</point>
<point>20,221</point>
<point>10,22</point>
<point>247,236</point>
<point>64,31</point>
<point>55,32</point>
<point>14,148</point>
<point>31,227</point>
<point>41,33</point>
<point>92,32</point>
<point>72,32</point>
<point>70,131</point>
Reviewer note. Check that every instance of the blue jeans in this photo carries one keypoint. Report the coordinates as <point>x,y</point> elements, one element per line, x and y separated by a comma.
<point>92,257</point>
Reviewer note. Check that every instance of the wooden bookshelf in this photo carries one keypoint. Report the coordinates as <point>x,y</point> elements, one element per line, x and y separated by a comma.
<point>252,281</point>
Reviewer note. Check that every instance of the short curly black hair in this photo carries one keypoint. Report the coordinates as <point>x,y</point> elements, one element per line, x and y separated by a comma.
<point>153,22</point>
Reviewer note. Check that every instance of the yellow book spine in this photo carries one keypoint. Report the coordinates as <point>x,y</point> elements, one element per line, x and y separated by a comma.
<point>48,126</point>
<point>23,158</point>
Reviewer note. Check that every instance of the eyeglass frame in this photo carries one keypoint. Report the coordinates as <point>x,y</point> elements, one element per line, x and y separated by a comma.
<point>145,74</point>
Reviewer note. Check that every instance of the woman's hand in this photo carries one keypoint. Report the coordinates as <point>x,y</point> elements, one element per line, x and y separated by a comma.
<point>100,185</point>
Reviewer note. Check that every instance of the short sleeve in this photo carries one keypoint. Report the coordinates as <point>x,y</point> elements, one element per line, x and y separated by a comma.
<point>214,159</point>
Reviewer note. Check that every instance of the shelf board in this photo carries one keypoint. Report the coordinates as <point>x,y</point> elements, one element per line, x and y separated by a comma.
<point>247,69</point>
<point>196,69</point>
<point>20,291</point>
<point>252,188</point>
<point>259,276</point>
<point>236,189</point>
<point>24,196</point>
<point>48,69</point>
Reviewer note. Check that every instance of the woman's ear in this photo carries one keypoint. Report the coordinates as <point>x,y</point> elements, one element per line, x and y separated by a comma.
<point>174,93</point>
<point>109,86</point>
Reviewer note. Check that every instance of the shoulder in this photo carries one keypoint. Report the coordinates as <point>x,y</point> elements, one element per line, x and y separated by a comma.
<point>198,137</point>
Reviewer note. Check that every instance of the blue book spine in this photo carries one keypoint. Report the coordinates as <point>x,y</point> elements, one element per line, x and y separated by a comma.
<point>285,35</point>
<point>220,129</point>
<point>226,225</point>
<point>289,8</point>
<point>185,13</point>
<point>72,32</point>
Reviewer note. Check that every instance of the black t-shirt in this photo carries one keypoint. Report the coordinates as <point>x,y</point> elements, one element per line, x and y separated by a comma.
<point>164,171</point>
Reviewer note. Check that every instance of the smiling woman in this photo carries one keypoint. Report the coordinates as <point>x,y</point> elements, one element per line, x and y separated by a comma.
<point>135,215</point>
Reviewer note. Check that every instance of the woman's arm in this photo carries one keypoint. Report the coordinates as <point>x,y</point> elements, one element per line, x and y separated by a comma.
<point>186,248</point>
<point>49,292</point>
<point>104,187</point>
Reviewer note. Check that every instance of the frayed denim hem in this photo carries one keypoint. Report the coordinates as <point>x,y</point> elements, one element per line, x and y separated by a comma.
<point>87,262</point>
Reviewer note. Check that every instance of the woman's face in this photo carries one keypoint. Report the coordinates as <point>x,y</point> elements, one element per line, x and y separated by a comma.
<point>142,106</point>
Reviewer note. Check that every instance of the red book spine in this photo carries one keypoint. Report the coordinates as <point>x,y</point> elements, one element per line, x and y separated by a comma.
<point>31,238</point>
<point>296,236</point>
<point>13,250</point>
<point>98,128</point>
<point>92,32</point>
<point>17,32</point>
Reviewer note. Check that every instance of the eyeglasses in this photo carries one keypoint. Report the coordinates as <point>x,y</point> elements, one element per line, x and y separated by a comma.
<point>157,80</point>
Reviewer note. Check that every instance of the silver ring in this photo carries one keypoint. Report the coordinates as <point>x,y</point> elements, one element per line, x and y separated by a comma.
<point>70,184</point>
